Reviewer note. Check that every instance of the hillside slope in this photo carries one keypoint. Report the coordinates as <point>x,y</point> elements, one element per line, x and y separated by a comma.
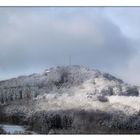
<point>71,99</point>
<point>64,79</point>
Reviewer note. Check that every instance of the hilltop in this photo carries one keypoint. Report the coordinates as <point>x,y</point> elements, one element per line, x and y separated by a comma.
<point>64,79</point>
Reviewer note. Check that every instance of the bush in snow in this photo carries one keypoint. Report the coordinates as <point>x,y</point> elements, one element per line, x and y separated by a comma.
<point>102,98</point>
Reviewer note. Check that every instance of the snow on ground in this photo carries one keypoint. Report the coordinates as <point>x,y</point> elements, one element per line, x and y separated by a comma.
<point>12,128</point>
<point>82,97</point>
<point>130,101</point>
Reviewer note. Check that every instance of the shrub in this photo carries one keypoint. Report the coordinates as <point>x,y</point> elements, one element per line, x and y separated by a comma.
<point>102,98</point>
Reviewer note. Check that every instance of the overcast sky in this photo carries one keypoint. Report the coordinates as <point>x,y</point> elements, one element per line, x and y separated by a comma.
<point>33,39</point>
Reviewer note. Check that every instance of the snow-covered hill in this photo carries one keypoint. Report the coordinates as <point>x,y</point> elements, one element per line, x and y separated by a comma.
<point>66,88</point>
<point>64,79</point>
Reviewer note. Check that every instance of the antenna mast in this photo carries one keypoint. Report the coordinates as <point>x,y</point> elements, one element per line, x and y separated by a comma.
<point>70,60</point>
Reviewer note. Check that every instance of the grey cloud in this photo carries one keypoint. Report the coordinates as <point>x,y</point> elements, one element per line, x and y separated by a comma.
<point>34,38</point>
